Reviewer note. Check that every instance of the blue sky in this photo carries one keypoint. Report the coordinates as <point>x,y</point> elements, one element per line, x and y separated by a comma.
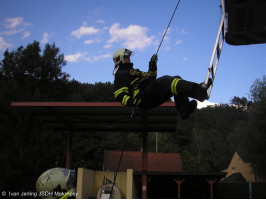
<point>88,32</point>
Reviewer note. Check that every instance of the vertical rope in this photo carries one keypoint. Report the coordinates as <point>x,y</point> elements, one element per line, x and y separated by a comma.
<point>116,172</point>
<point>168,26</point>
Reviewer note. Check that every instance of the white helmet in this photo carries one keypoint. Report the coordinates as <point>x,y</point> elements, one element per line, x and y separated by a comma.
<point>120,54</point>
<point>56,179</point>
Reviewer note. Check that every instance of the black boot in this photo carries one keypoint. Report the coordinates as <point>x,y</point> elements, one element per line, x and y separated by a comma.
<point>194,90</point>
<point>186,109</point>
<point>184,106</point>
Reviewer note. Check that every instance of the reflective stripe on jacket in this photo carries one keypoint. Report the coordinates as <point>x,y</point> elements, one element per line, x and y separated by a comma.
<point>126,84</point>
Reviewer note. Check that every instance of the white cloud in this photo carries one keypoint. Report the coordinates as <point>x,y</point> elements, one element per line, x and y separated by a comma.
<point>3,44</point>
<point>73,57</point>
<point>97,58</point>
<point>166,38</point>
<point>107,46</point>
<point>133,37</point>
<point>183,32</point>
<point>85,30</point>
<point>14,25</point>
<point>178,42</point>
<point>93,41</point>
<point>13,22</point>
<point>169,30</point>
<point>25,34</point>
<point>10,32</point>
<point>88,41</point>
<point>44,38</point>
<point>206,104</point>
<point>167,47</point>
<point>101,21</point>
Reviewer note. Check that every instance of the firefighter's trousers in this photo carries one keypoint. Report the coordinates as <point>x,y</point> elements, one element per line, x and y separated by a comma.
<point>158,91</point>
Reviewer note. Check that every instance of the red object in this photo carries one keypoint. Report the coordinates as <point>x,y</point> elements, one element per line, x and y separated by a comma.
<point>157,162</point>
<point>67,104</point>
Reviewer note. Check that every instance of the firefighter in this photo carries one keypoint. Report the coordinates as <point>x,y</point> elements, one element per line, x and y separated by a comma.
<point>144,90</point>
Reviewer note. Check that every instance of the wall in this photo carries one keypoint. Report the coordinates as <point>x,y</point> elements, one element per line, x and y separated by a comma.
<point>89,182</point>
<point>85,183</point>
<point>238,165</point>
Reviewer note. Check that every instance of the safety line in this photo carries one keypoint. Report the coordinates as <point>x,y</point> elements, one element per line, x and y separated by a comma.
<point>167,27</point>
<point>121,156</point>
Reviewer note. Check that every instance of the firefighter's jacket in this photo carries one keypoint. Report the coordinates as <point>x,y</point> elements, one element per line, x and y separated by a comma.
<point>130,83</point>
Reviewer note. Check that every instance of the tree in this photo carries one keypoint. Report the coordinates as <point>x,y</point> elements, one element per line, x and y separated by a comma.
<point>241,103</point>
<point>189,162</point>
<point>32,76</point>
<point>210,135</point>
<point>27,148</point>
<point>258,90</point>
<point>254,138</point>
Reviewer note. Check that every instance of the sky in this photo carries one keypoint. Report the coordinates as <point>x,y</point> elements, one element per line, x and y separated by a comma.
<point>88,32</point>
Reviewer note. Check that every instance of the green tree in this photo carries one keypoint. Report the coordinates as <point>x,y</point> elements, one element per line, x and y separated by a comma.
<point>241,103</point>
<point>27,148</point>
<point>189,162</point>
<point>254,138</point>
<point>209,130</point>
<point>32,76</point>
<point>258,90</point>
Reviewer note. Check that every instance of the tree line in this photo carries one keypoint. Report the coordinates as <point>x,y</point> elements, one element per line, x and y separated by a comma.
<point>206,141</point>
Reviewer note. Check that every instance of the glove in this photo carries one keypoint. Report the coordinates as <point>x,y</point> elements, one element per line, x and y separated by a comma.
<point>136,102</point>
<point>153,63</point>
<point>154,58</point>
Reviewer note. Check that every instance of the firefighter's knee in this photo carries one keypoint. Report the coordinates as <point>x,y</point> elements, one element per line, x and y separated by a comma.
<point>178,77</point>
<point>174,83</point>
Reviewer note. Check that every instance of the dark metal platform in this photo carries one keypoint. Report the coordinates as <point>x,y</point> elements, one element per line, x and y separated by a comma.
<point>100,116</point>
<point>246,22</point>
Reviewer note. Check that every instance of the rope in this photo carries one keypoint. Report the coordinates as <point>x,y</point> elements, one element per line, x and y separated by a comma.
<point>168,26</point>
<point>121,156</point>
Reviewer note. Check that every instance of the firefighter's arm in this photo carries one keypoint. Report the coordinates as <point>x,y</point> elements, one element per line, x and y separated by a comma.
<point>153,66</point>
<point>122,91</point>
<point>122,95</point>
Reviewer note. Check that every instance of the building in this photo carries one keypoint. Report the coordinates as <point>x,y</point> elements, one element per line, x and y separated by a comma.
<point>165,177</point>
<point>159,182</point>
<point>238,165</point>
<point>157,162</point>
<point>241,181</point>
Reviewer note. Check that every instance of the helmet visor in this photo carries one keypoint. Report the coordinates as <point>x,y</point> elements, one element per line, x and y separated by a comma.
<point>128,53</point>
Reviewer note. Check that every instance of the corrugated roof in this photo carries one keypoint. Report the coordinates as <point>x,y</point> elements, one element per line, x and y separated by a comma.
<point>157,162</point>
<point>100,116</point>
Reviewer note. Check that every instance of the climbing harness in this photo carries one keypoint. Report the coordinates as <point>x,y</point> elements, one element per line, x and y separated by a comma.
<point>168,26</point>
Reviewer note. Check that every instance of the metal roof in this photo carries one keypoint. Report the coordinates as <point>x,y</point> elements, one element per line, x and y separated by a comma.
<point>100,116</point>
<point>157,161</point>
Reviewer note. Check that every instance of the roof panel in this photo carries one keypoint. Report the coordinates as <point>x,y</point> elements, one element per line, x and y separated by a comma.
<point>157,162</point>
<point>100,116</point>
